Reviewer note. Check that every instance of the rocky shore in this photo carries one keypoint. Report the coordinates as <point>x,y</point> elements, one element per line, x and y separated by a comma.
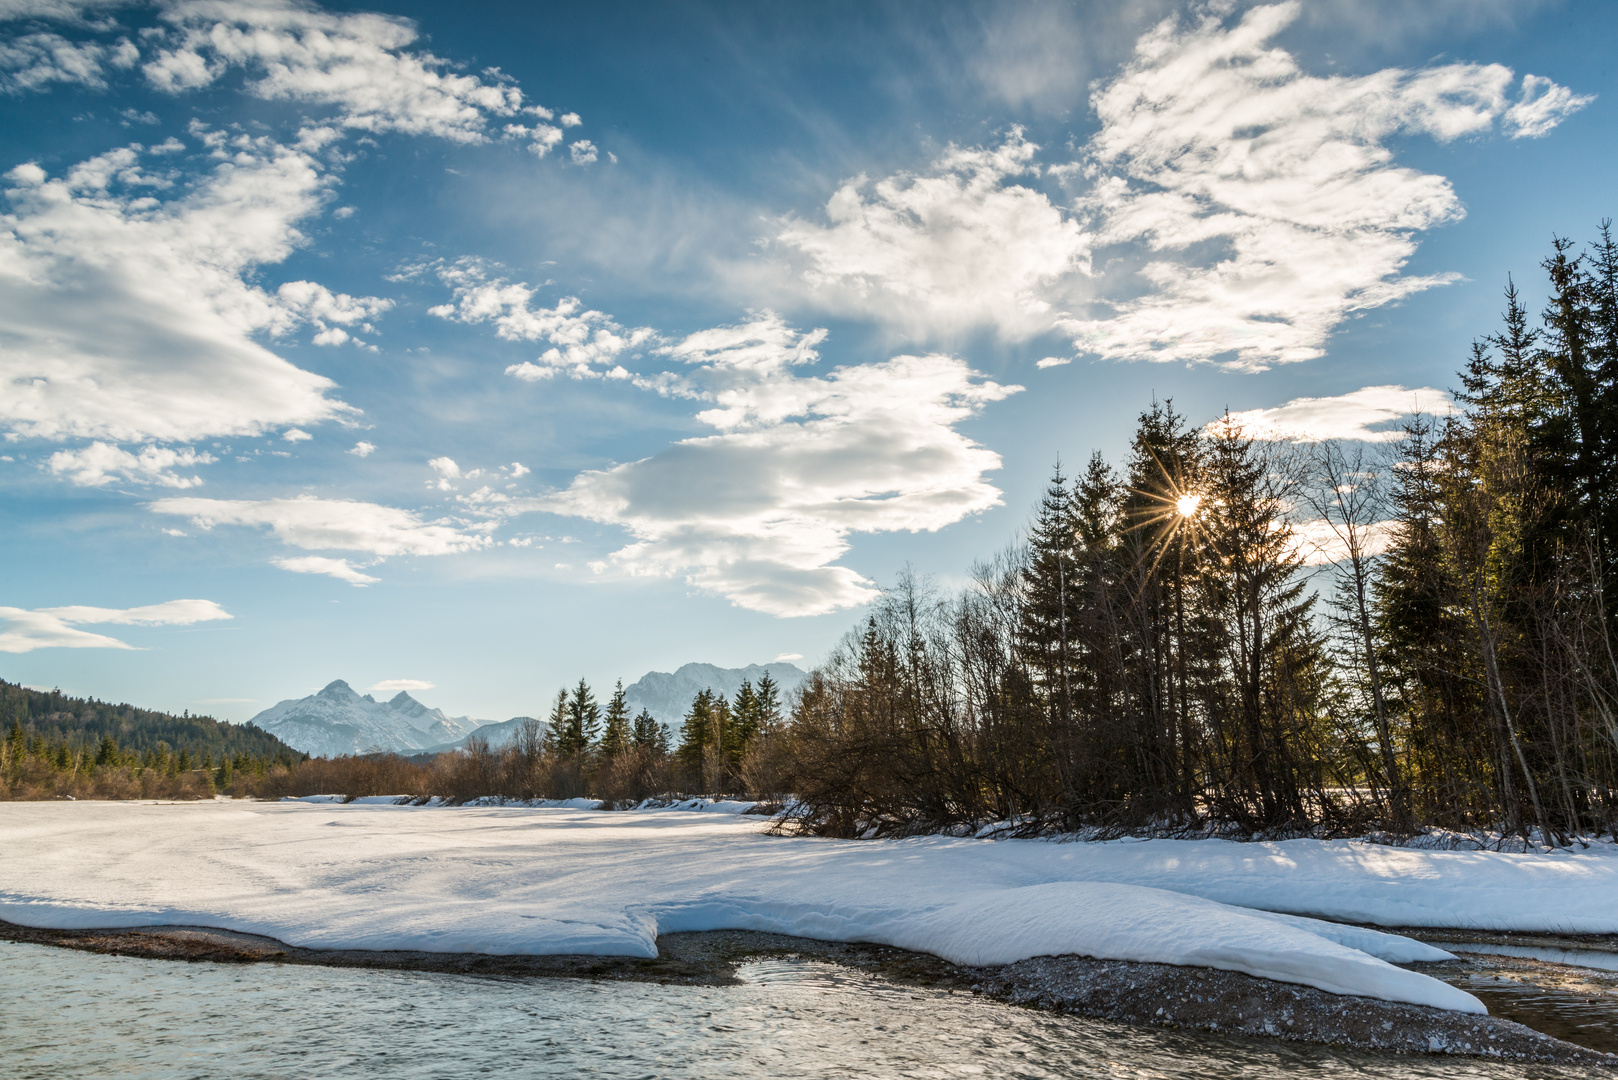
<point>1158,995</point>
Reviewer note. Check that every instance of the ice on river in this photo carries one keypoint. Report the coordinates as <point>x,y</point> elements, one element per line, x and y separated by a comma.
<point>504,880</point>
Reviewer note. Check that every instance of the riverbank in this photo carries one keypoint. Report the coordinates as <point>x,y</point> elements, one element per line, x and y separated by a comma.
<point>1158,995</point>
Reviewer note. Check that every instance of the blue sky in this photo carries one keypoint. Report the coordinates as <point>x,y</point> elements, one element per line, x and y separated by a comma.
<point>475,348</point>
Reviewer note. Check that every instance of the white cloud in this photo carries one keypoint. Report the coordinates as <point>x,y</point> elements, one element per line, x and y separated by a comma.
<point>296,435</point>
<point>1543,105</point>
<point>1321,545</point>
<point>954,247</point>
<point>786,656</point>
<point>390,686</point>
<point>1364,415</point>
<point>760,512</point>
<point>362,449</point>
<point>445,467</point>
<point>358,64</point>
<point>70,11</point>
<point>130,319</point>
<point>35,61</point>
<point>24,631</point>
<point>519,469</point>
<point>341,569</point>
<point>322,307</point>
<point>583,151</point>
<point>1053,361</point>
<point>1266,199</point>
<point>316,524</point>
<point>1231,207</point>
<point>101,463</point>
<point>582,341</point>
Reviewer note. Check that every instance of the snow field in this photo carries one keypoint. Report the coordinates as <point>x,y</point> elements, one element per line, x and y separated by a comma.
<point>539,880</point>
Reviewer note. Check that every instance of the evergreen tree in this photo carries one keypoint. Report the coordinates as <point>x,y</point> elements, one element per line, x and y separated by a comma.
<point>615,737</point>
<point>747,720</point>
<point>559,732</point>
<point>1264,734</point>
<point>584,718</point>
<point>769,703</point>
<point>696,735</point>
<point>1045,637</point>
<point>649,735</point>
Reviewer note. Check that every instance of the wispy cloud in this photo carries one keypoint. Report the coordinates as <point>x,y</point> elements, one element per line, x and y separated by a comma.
<point>760,512</point>
<point>955,246</point>
<point>393,686</point>
<point>341,569</point>
<point>315,524</point>
<point>1231,208</point>
<point>130,319</point>
<point>1365,415</point>
<point>102,463</point>
<point>22,630</point>
<point>583,342</point>
<point>1266,199</point>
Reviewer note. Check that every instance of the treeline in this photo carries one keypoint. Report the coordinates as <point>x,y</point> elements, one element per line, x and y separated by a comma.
<point>35,766</point>
<point>55,745</point>
<point>1155,658</point>
<point>583,750</point>
<point>85,721</point>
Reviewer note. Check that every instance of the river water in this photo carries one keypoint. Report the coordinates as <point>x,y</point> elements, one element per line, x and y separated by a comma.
<point>66,1014</point>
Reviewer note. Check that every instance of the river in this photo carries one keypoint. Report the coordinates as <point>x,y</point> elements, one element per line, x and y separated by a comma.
<point>70,1014</point>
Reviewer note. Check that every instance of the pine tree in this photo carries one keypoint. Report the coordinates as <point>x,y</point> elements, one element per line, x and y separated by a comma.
<point>558,734</point>
<point>649,735</point>
<point>583,717</point>
<point>1045,638</point>
<point>769,704</point>
<point>746,722</point>
<point>1270,660</point>
<point>615,738</point>
<point>696,735</point>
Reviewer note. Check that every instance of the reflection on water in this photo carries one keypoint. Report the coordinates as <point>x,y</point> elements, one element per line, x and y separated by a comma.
<point>1587,958</point>
<point>1569,993</point>
<point>67,1014</point>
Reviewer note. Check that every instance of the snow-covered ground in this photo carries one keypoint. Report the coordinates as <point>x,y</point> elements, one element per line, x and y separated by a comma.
<point>546,880</point>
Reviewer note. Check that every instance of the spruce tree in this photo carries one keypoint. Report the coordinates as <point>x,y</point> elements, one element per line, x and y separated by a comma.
<point>649,735</point>
<point>615,737</point>
<point>558,734</point>
<point>583,717</point>
<point>747,721</point>
<point>769,703</point>
<point>696,734</point>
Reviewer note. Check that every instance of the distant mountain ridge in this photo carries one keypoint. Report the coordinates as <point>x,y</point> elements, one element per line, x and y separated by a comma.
<point>667,695</point>
<point>339,721</point>
<point>84,721</point>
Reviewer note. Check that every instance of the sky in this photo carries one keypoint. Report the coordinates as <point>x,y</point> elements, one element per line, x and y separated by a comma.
<point>472,349</point>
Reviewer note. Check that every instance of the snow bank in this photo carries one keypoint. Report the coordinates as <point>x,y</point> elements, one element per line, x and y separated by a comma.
<point>506,880</point>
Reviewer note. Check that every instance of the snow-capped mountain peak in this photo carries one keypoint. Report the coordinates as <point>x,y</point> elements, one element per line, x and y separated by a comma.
<point>337,720</point>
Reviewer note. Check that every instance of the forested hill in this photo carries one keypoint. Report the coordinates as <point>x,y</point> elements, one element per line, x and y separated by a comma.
<point>85,721</point>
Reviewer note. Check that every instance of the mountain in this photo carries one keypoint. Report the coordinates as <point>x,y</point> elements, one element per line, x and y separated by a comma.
<point>84,721</point>
<point>339,721</point>
<point>667,695</point>
<point>496,734</point>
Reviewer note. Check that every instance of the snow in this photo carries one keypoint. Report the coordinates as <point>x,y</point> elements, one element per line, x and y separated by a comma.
<point>550,880</point>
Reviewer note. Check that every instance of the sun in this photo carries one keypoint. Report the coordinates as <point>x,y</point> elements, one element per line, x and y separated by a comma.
<point>1187,504</point>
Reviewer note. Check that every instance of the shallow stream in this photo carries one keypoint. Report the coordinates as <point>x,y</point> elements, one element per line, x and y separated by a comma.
<point>69,1014</point>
